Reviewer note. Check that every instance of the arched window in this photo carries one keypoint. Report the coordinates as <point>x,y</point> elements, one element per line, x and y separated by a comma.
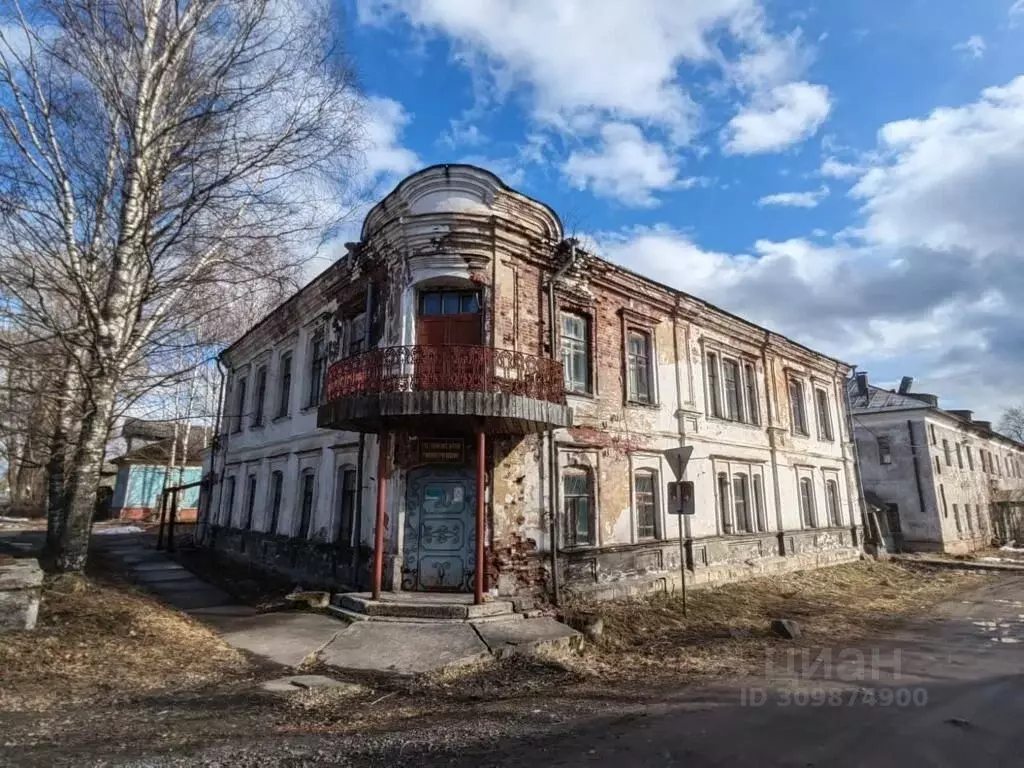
<point>345,503</point>
<point>578,507</point>
<point>807,502</point>
<point>832,500</point>
<point>723,502</point>
<point>276,489</point>
<point>759,503</point>
<point>307,501</point>
<point>741,503</point>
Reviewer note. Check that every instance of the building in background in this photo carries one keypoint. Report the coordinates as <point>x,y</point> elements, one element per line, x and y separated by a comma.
<point>503,402</point>
<point>944,480</point>
<point>143,469</point>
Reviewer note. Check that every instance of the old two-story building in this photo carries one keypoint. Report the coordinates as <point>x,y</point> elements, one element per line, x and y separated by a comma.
<point>943,480</point>
<point>469,402</point>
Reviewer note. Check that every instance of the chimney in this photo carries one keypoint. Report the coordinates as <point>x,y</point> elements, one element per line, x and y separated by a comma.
<point>965,415</point>
<point>983,424</point>
<point>932,400</point>
<point>862,384</point>
<point>905,384</point>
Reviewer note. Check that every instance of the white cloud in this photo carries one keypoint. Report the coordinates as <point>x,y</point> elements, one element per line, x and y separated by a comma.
<point>837,169</point>
<point>1017,9</point>
<point>784,116</point>
<point>931,285</point>
<point>385,156</point>
<point>795,199</point>
<point>626,166</point>
<point>973,47</point>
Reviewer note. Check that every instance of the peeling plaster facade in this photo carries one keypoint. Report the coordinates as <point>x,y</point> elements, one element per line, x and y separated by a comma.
<point>773,478</point>
<point>948,482</point>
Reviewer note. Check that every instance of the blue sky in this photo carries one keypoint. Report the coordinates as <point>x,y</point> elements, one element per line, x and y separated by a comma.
<point>848,173</point>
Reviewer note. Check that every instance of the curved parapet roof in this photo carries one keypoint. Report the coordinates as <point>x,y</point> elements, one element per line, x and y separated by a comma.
<point>458,188</point>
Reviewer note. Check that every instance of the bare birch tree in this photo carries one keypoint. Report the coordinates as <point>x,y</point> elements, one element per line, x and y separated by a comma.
<point>152,152</point>
<point>1011,423</point>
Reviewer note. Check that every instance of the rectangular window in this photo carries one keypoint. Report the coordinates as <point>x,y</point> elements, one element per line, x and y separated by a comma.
<point>646,500</point>
<point>832,500</point>
<point>938,466</point>
<point>356,335</point>
<point>577,502</point>
<point>807,502</point>
<point>884,451</point>
<point>956,519</point>
<point>284,389</point>
<point>260,395</point>
<point>731,379</point>
<point>967,518</point>
<point>228,505</point>
<point>959,457</point>
<point>638,364</point>
<point>970,457</point>
<point>307,499</point>
<point>250,502</point>
<point>824,415</point>
<point>946,454</point>
<point>796,406</point>
<point>276,489</point>
<point>713,386</point>
<point>346,496</point>
<point>759,503</point>
<point>240,403</point>
<point>984,462</point>
<point>434,303</point>
<point>576,352</point>
<point>942,495</point>
<point>741,504</point>
<point>317,364</point>
<point>931,430</point>
<point>753,409</point>
<point>723,502</point>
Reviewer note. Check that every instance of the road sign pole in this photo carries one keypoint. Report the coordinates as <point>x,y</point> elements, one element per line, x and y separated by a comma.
<point>682,562</point>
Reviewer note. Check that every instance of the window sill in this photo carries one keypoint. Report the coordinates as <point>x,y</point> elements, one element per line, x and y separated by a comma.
<point>280,417</point>
<point>640,404</point>
<point>735,422</point>
<point>259,426</point>
<point>587,395</point>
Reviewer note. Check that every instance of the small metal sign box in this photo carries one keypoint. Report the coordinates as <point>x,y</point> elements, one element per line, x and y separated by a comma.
<point>680,498</point>
<point>442,451</point>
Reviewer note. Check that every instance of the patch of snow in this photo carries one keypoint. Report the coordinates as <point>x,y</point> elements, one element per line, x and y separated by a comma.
<point>13,519</point>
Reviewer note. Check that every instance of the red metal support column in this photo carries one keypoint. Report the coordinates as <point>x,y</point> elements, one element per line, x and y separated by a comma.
<point>378,531</point>
<point>478,586</point>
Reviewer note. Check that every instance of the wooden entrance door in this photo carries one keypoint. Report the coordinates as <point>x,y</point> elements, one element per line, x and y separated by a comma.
<point>440,531</point>
<point>447,318</point>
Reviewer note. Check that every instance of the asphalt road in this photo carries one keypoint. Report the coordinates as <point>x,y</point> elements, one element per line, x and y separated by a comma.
<point>946,691</point>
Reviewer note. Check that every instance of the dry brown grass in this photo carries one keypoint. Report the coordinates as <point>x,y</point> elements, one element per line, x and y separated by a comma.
<point>727,628</point>
<point>97,639</point>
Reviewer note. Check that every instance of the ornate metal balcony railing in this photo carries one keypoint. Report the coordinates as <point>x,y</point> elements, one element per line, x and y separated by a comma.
<point>447,368</point>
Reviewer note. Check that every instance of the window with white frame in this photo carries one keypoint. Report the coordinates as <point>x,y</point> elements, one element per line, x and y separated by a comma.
<point>259,396</point>
<point>250,501</point>
<point>345,495</point>
<point>884,450</point>
<point>645,502</point>
<point>741,503</point>
<point>576,352</point>
<point>807,512</point>
<point>640,383</point>
<point>753,407</point>
<point>240,395</point>
<point>759,503</point>
<point>732,387</point>
<point>724,512</point>
<point>832,502</point>
<point>228,501</point>
<point>824,414</point>
<point>276,493</point>
<point>284,385</point>
<point>578,507</point>
<point>797,407</point>
<point>307,502</point>
<point>714,392</point>
<point>317,367</point>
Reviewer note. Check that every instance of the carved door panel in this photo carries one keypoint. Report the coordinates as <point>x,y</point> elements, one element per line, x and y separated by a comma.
<point>440,532</point>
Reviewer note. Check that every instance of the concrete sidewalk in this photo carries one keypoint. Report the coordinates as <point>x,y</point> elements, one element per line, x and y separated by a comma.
<point>288,638</point>
<point>292,638</point>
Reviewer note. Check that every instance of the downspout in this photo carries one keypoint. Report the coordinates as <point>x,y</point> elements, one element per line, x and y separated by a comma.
<point>358,549</point>
<point>552,451</point>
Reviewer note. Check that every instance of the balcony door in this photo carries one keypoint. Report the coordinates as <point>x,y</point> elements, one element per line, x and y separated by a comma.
<point>445,318</point>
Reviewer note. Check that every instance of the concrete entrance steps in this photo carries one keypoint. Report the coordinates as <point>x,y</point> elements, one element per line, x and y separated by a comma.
<point>420,607</point>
